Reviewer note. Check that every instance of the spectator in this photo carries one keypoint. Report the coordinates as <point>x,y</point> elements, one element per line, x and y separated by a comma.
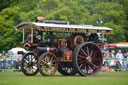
<point>113,64</point>
<point>18,64</point>
<point>125,66</point>
<point>112,54</point>
<point>119,57</point>
<point>0,65</point>
<point>14,65</point>
<point>126,62</point>
<point>9,64</point>
<point>106,68</point>
<point>4,57</point>
<point>127,58</point>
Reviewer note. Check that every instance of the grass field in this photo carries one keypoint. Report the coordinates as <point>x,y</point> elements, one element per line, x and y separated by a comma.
<point>102,78</point>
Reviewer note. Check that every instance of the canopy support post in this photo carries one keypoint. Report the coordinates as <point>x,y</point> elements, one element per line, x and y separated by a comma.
<point>23,36</point>
<point>31,35</point>
<point>103,37</point>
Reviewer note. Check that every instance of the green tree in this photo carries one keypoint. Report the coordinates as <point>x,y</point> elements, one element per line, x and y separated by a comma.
<point>118,34</point>
<point>114,14</point>
<point>9,37</point>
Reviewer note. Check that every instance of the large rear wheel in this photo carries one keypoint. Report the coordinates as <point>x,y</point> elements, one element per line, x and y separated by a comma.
<point>29,64</point>
<point>87,59</point>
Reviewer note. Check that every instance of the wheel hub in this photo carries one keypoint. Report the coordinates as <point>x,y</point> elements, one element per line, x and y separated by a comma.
<point>89,59</point>
<point>30,64</point>
<point>48,64</point>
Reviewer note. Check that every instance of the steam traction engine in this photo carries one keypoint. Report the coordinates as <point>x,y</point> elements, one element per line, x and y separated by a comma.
<point>57,45</point>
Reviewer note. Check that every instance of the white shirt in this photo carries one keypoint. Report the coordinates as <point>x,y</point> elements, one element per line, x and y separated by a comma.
<point>119,56</point>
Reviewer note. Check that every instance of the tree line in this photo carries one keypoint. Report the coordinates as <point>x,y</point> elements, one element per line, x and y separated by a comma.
<point>113,13</point>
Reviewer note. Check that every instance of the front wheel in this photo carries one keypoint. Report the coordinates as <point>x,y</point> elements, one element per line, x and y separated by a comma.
<point>29,64</point>
<point>87,59</point>
<point>47,64</point>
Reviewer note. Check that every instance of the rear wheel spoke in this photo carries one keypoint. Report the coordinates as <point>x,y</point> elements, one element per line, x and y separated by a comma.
<point>84,52</point>
<point>94,65</point>
<point>80,56</point>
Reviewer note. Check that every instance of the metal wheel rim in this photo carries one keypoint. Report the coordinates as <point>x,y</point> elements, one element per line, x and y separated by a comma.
<point>86,66</point>
<point>48,64</point>
<point>29,64</point>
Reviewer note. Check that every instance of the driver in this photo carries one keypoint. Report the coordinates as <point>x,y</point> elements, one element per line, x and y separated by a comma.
<point>49,39</point>
<point>93,37</point>
<point>35,38</point>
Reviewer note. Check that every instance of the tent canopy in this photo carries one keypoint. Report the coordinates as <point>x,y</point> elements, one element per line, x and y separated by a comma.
<point>113,45</point>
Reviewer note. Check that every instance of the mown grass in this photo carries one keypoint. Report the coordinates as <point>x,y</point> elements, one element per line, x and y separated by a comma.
<point>102,78</point>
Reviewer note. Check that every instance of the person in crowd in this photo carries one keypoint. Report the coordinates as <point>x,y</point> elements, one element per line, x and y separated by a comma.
<point>14,65</point>
<point>106,68</point>
<point>108,58</point>
<point>9,64</point>
<point>18,64</point>
<point>125,66</point>
<point>4,57</point>
<point>119,57</point>
<point>127,58</point>
<point>119,62</point>
<point>125,63</point>
<point>113,54</point>
<point>0,65</point>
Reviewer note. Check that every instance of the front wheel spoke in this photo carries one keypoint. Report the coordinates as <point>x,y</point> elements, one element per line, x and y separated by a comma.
<point>47,58</point>
<point>35,67</point>
<point>51,59</point>
<point>53,64</point>
<point>26,59</point>
<point>47,70</point>
<point>25,67</point>
<point>42,64</point>
<point>43,61</point>
<point>32,68</point>
<point>31,58</point>
<point>52,69</point>
<point>34,63</point>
